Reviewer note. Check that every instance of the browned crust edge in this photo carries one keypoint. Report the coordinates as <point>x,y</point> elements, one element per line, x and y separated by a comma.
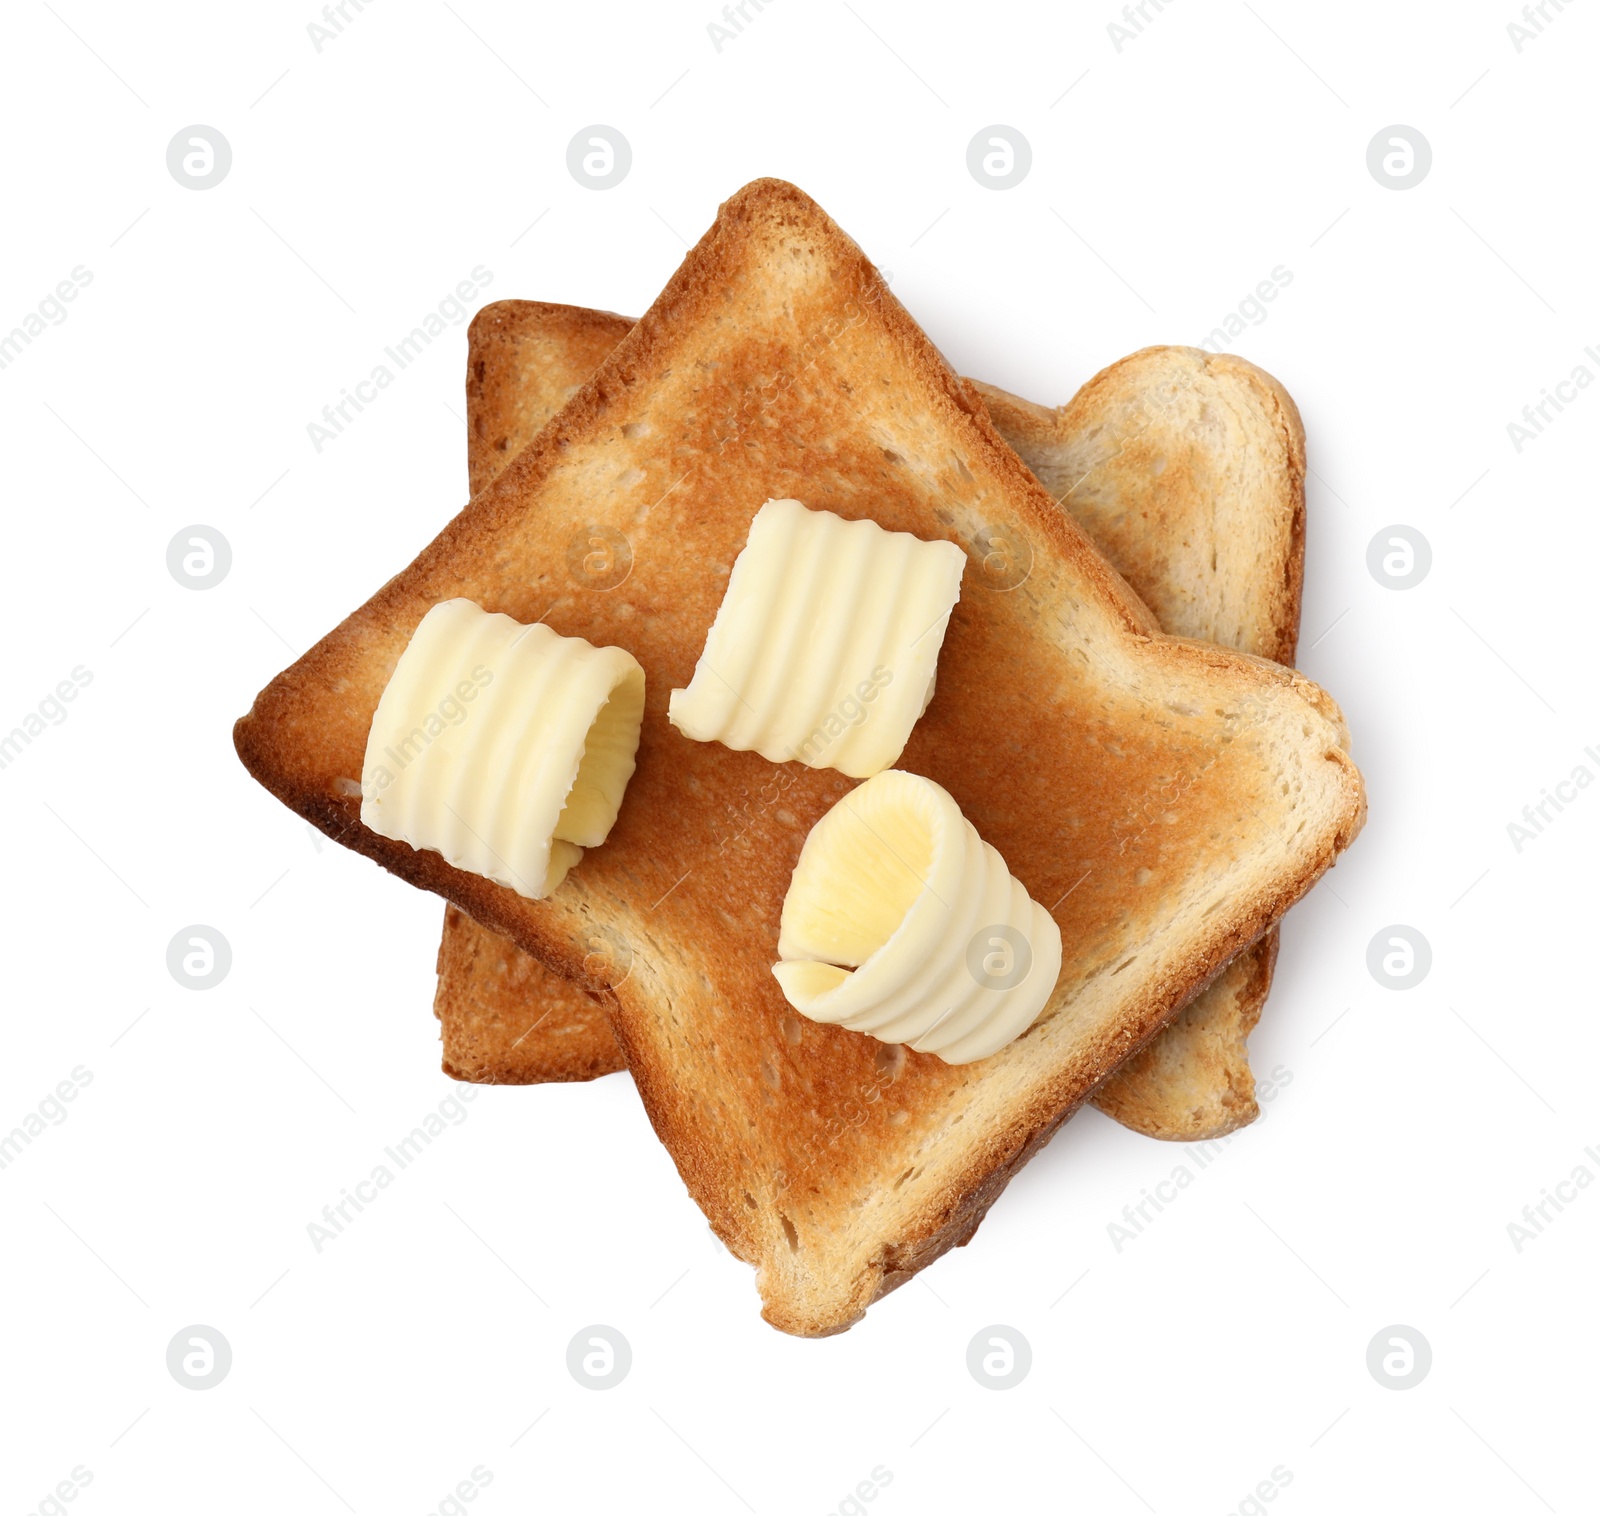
<point>1135,1093</point>
<point>463,980</point>
<point>1286,416</point>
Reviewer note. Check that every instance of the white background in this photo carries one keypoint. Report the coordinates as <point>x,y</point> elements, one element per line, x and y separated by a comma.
<point>1230,1338</point>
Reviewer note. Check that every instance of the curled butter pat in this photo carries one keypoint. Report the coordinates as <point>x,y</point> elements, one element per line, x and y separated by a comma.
<point>824,648</point>
<point>902,922</point>
<point>505,748</point>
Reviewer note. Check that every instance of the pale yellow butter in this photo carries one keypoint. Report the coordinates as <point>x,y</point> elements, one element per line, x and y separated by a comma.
<point>902,922</point>
<point>503,747</point>
<point>825,646</point>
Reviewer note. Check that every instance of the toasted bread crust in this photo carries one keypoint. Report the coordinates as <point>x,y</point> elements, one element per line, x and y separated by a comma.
<point>526,358</point>
<point>494,999</point>
<point>1172,798</point>
<point>1193,1082</point>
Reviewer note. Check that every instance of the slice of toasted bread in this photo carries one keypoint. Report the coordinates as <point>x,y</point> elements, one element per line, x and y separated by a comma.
<point>1188,471</point>
<point>1169,799</point>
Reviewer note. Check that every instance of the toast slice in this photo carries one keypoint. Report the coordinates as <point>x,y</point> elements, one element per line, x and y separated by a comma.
<point>1170,799</point>
<point>1173,460</point>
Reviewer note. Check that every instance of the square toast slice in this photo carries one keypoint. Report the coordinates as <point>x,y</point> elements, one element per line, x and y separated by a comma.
<point>1167,799</point>
<point>1188,471</point>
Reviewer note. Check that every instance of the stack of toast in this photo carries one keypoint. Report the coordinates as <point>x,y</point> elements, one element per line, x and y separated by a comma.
<point>1114,712</point>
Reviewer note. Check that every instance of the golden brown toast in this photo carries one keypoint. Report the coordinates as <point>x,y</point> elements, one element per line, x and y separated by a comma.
<point>1167,799</point>
<point>1188,471</point>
